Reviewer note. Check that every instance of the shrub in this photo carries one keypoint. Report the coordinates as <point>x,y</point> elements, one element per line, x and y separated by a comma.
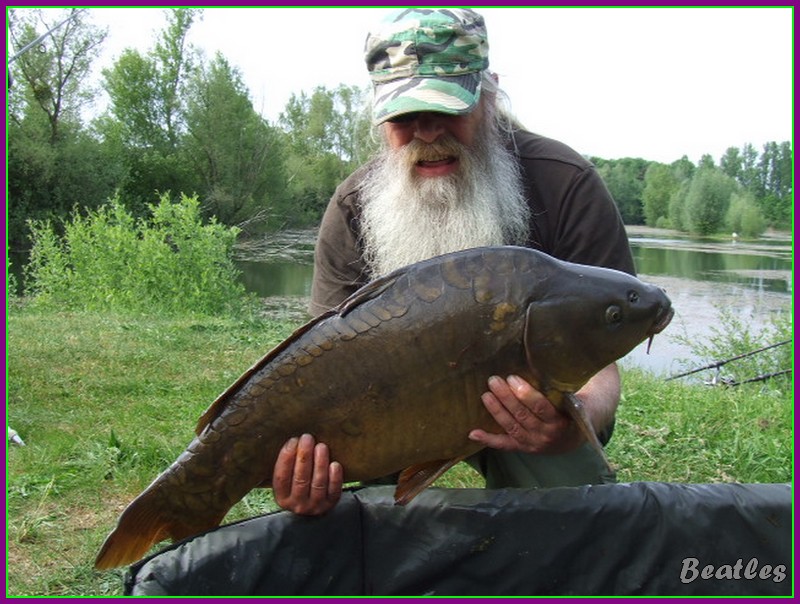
<point>744,217</point>
<point>733,337</point>
<point>11,281</point>
<point>170,263</point>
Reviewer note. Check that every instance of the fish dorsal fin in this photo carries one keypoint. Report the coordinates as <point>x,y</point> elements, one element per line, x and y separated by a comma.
<point>575,409</point>
<point>216,408</point>
<point>371,290</point>
<point>415,479</point>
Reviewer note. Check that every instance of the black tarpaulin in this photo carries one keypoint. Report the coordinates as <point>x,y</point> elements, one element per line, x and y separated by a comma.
<point>617,539</point>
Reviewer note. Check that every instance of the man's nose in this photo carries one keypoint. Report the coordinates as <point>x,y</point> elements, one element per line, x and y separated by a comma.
<point>429,126</point>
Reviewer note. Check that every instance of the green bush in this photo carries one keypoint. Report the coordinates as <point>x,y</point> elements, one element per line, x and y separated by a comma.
<point>107,260</point>
<point>744,217</point>
<point>11,280</point>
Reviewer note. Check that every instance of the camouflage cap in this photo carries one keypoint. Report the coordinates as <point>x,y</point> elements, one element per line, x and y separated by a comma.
<point>427,60</point>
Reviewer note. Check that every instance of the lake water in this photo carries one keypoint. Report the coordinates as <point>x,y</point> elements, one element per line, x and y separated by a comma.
<point>701,276</point>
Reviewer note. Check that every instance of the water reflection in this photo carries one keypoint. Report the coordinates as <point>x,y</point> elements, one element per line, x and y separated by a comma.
<point>761,272</point>
<point>278,278</point>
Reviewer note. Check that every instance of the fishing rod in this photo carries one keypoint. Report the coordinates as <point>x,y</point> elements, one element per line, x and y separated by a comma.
<point>718,364</point>
<point>761,378</point>
<point>29,45</point>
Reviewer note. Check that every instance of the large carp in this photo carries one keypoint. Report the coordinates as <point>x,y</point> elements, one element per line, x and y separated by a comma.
<point>392,380</point>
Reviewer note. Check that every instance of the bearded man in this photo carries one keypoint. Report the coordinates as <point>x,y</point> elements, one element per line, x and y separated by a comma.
<point>456,171</point>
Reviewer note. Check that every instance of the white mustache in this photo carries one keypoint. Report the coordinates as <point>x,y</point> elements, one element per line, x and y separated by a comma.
<point>443,148</point>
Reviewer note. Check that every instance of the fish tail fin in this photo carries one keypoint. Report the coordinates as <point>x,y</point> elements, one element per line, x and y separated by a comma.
<point>145,522</point>
<point>142,524</point>
<point>575,409</point>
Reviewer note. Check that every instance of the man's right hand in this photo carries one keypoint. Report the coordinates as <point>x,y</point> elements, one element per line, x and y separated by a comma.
<point>305,481</point>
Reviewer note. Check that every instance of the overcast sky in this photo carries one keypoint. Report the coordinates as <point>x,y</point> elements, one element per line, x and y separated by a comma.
<point>655,83</point>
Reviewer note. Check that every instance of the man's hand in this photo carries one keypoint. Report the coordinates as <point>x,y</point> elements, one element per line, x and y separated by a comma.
<point>531,422</point>
<point>305,481</point>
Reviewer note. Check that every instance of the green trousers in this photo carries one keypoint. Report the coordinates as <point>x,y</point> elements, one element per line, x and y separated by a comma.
<point>507,469</point>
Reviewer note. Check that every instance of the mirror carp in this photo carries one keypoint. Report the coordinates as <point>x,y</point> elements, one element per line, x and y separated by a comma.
<point>392,379</point>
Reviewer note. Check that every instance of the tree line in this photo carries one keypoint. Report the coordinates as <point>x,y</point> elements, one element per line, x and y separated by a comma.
<point>179,122</point>
<point>745,194</point>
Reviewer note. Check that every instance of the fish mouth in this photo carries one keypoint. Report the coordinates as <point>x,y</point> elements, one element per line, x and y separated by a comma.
<point>663,319</point>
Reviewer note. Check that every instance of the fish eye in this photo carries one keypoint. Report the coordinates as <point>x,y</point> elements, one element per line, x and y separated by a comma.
<point>613,314</point>
<point>633,296</point>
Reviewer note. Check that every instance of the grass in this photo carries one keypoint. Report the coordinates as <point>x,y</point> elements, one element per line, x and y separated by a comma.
<point>105,402</point>
<point>678,432</point>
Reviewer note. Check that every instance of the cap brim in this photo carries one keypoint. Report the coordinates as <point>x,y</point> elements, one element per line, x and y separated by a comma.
<point>454,95</point>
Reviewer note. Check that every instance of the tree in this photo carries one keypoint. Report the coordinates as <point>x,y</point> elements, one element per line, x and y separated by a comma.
<point>731,163</point>
<point>131,86</point>
<point>55,74</point>
<point>54,163</point>
<point>350,129</point>
<point>146,120</point>
<point>750,178</point>
<point>146,92</point>
<point>677,207</point>
<point>706,162</point>
<point>237,153</point>
<point>175,63</point>
<point>775,177</point>
<point>684,169</point>
<point>625,180</point>
<point>744,216</point>
<point>707,200</point>
<point>660,183</point>
<point>325,134</point>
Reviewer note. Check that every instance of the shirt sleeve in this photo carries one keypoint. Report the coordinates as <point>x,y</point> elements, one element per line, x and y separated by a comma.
<point>589,228</point>
<point>338,267</point>
<point>573,216</point>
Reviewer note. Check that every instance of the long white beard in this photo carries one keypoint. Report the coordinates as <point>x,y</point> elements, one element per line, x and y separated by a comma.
<point>407,218</point>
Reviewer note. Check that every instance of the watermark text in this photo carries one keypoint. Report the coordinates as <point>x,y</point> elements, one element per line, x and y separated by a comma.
<point>691,571</point>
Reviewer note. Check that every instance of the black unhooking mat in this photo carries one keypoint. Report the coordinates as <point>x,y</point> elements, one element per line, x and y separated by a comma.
<point>619,539</point>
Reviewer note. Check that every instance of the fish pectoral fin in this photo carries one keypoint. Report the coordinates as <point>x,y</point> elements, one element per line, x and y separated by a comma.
<point>415,479</point>
<point>575,409</point>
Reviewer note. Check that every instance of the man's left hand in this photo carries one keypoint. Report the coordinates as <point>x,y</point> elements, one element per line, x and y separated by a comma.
<point>531,422</point>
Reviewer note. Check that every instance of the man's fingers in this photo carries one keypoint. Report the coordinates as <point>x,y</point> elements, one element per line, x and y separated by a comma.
<point>305,481</point>
<point>326,485</point>
<point>284,470</point>
<point>493,441</point>
<point>319,483</point>
<point>335,482</point>
<point>303,465</point>
<point>511,415</point>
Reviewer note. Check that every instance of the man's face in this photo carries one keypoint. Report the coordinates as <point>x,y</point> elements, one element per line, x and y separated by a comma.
<point>428,127</point>
<point>442,183</point>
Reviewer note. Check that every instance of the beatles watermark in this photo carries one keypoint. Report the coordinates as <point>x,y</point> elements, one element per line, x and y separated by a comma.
<point>691,570</point>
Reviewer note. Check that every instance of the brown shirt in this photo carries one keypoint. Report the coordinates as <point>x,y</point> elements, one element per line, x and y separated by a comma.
<point>573,217</point>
